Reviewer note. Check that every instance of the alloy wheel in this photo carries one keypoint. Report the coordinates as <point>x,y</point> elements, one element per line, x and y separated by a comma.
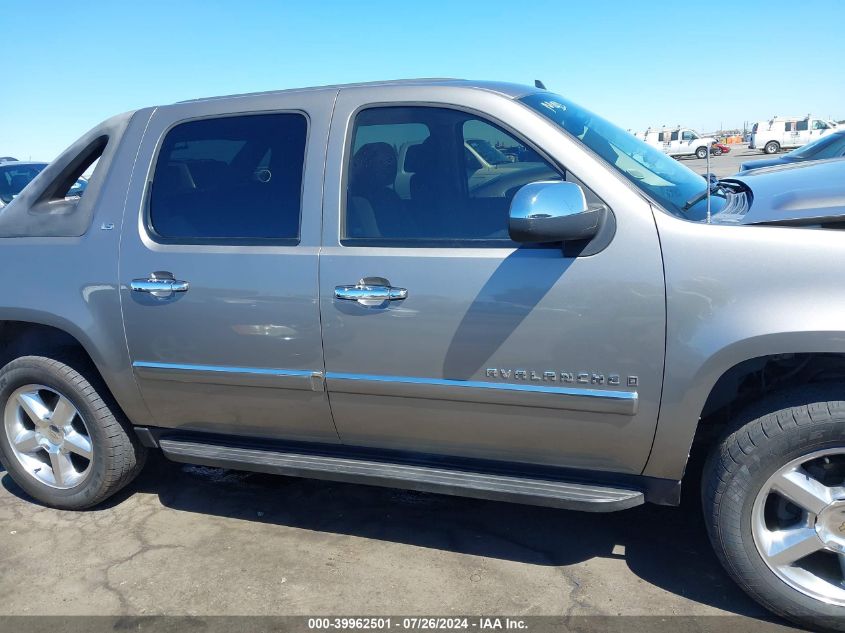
<point>798,525</point>
<point>48,436</point>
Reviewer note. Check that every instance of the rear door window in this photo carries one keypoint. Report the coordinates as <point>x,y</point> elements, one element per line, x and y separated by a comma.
<point>230,180</point>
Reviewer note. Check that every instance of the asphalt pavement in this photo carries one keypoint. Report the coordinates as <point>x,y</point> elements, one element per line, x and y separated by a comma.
<point>726,164</point>
<point>188,540</point>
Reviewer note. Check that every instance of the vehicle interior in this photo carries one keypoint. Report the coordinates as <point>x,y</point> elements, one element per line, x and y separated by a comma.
<point>230,178</point>
<point>412,177</point>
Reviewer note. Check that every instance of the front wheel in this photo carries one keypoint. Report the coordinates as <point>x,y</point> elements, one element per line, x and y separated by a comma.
<point>64,440</point>
<point>701,152</point>
<point>774,502</point>
<point>717,151</point>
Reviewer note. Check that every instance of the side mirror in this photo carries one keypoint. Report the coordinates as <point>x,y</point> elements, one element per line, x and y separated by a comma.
<point>553,211</point>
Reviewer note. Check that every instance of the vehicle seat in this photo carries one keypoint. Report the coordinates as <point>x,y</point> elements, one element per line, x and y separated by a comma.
<point>434,194</point>
<point>176,178</point>
<point>375,209</point>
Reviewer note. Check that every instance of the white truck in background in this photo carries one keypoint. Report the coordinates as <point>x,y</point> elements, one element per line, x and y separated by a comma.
<point>788,132</point>
<point>677,141</point>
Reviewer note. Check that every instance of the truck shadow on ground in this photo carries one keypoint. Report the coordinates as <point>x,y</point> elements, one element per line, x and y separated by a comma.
<point>664,546</point>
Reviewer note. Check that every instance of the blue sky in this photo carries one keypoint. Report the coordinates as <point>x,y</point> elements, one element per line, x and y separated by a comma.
<point>701,63</point>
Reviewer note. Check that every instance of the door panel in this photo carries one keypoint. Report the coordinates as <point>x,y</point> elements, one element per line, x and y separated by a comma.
<point>240,351</point>
<point>497,352</point>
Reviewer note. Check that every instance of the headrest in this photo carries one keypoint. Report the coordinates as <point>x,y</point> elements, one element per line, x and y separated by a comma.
<point>417,156</point>
<point>373,166</point>
<point>176,178</point>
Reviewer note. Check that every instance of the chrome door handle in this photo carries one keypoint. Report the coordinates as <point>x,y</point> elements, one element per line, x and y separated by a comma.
<point>371,291</point>
<point>159,284</point>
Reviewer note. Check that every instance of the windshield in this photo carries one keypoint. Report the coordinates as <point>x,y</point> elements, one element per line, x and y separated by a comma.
<point>825,147</point>
<point>490,154</point>
<point>14,177</point>
<point>664,179</point>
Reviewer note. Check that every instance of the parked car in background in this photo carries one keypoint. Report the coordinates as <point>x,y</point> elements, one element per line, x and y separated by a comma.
<point>830,146</point>
<point>16,175</point>
<point>487,153</point>
<point>677,142</point>
<point>717,149</point>
<point>787,132</point>
<point>488,167</point>
<point>7,159</point>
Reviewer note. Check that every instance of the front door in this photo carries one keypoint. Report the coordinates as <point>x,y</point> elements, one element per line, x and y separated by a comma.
<point>442,336</point>
<point>818,128</point>
<point>219,264</point>
<point>691,142</point>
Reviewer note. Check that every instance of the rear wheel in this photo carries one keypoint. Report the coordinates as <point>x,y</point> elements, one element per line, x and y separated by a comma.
<point>717,151</point>
<point>701,152</point>
<point>64,441</point>
<point>772,147</point>
<point>774,500</point>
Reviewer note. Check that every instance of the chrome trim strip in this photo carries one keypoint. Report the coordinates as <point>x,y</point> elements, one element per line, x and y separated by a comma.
<point>509,394</point>
<point>223,369</point>
<point>570,391</point>
<point>574,398</point>
<point>234,376</point>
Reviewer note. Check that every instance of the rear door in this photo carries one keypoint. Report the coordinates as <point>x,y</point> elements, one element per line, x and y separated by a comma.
<point>218,266</point>
<point>802,136</point>
<point>672,143</point>
<point>469,345</point>
<point>787,133</point>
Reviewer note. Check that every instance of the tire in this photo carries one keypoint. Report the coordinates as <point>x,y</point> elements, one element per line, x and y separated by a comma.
<point>701,152</point>
<point>35,392</point>
<point>743,503</point>
<point>717,152</point>
<point>772,147</point>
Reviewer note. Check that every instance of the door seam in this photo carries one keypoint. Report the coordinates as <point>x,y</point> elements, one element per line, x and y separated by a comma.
<point>121,236</point>
<point>320,266</point>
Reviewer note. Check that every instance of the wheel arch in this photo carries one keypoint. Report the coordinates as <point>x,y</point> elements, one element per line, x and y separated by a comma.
<point>777,143</point>
<point>45,334</point>
<point>33,333</point>
<point>719,388</point>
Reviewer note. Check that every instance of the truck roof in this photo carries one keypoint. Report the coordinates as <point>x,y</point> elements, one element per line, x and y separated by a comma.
<point>507,89</point>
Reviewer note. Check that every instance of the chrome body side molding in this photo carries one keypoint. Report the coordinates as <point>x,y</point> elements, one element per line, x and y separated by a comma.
<point>522,395</point>
<point>509,394</point>
<point>236,376</point>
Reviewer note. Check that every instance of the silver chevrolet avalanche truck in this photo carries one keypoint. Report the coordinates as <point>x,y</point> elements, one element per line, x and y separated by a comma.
<point>329,283</point>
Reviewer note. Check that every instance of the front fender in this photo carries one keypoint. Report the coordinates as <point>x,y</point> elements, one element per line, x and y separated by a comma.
<point>734,293</point>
